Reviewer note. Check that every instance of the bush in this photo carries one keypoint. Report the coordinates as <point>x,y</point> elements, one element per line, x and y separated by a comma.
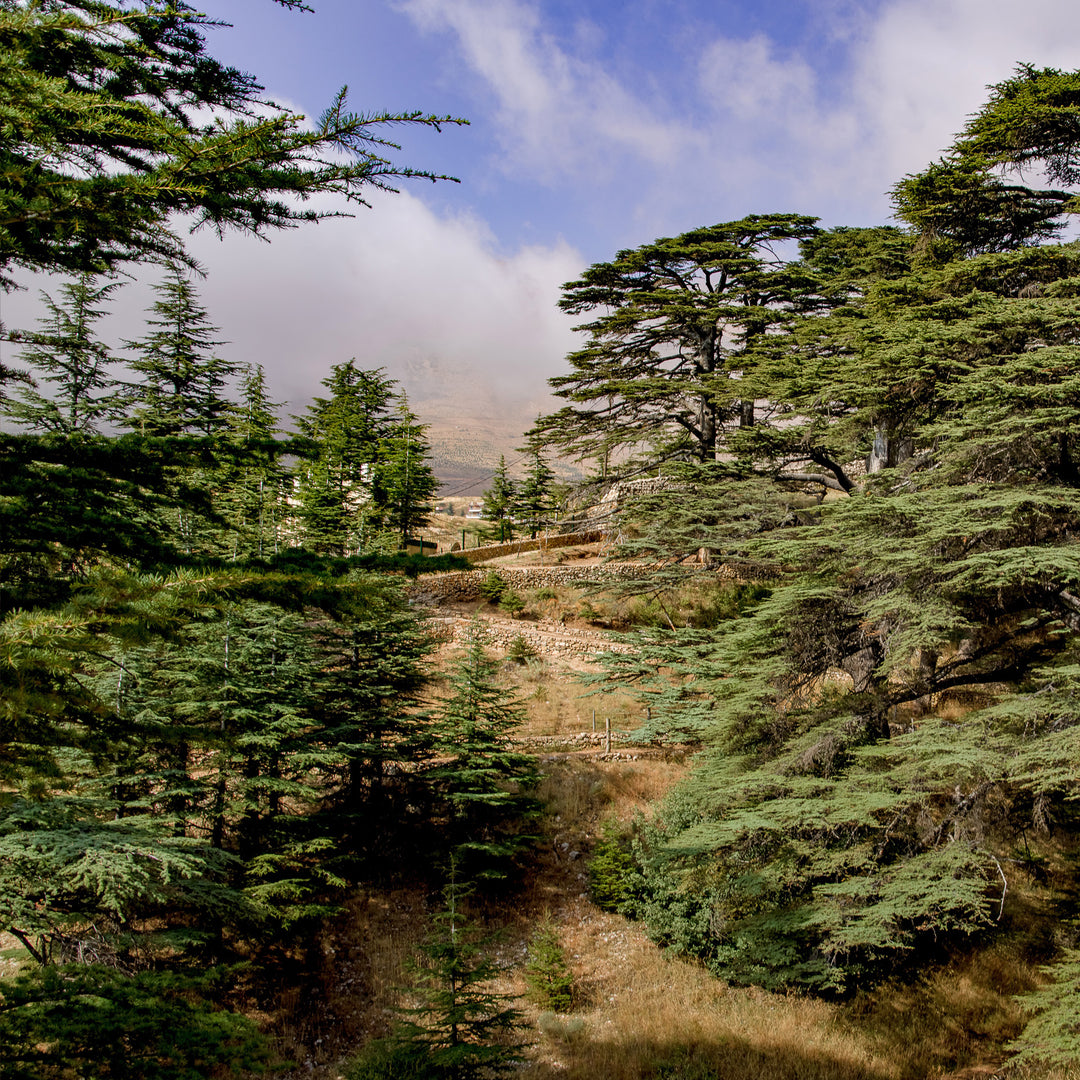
<point>566,1031</point>
<point>611,871</point>
<point>520,651</point>
<point>100,1023</point>
<point>493,587</point>
<point>388,1059</point>
<point>547,973</point>
<point>510,602</point>
<point>588,612</point>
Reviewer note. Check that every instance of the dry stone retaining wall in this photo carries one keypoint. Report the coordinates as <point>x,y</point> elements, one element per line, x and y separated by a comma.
<point>547,637</point>
<point>516,547</point>
<point>464,585</point>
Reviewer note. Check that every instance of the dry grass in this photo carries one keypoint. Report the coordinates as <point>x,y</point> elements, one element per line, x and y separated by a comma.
<point>642,1015</point>
<point>556,704</point>
<point>648,1016</point>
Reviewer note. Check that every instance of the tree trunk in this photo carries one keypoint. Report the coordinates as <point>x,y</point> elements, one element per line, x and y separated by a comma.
<point>889,449</point>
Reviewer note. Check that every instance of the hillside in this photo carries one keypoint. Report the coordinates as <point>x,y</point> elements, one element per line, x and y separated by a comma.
<point>637,1012</point>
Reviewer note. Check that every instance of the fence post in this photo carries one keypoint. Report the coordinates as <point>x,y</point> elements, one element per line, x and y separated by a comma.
<point>607,740</point>
<point>594,719</point>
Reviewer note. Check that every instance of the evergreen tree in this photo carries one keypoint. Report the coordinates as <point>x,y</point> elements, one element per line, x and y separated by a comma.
<point>340,486</point>
<point>104,1024</point>
<point>460,1029</point>
<point>183,388</point>
<point>252,487</point>
<point>481,780</point>
<point>500,501</point>
<point>534,506</point>
<point>66,353</point>
<point>370,646</point>
<point>840,820</point>
<point>182,396</point>
<point>407,476</point>
<point>122,120</point>
<point>666,356</point>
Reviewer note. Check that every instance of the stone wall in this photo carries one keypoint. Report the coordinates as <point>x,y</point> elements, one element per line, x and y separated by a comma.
<point>516,547</point>
<point>464,585</point>
<point>548,638</point>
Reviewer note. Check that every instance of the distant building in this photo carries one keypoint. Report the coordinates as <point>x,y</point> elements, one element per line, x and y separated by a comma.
<point>475,510</point>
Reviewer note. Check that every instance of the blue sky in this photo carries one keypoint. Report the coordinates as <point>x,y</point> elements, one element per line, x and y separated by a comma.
<point>595,126</point>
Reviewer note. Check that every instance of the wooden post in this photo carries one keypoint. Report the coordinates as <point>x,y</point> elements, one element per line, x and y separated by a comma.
<point>594,719</point>
<point>607,740</point>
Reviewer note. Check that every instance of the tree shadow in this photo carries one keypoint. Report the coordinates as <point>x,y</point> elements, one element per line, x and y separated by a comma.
<point>726,1058</point>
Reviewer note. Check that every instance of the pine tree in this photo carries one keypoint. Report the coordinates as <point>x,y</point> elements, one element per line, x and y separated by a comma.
<point>460,1029</point>
<point>672,342</point>
<point>183,388</point>
<point>408,479</point>
<point>481,780</point>
<point>370,646</point>
<point>499,504</point>
<point>122,120</point>
<point>840,822</point>
<point>340,486</point>
<point>66,353</point>
<point>534,506</point>
<point>252,486</point>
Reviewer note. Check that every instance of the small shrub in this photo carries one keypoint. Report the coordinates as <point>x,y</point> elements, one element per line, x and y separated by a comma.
<point>547,973</point>
<point>545,592</point>
<point>493,587</point>
<point>646,612</point>
<point>520,651</point>
<point>610,871</point>
<point>388,1059</point>
<point>588,612</point>
<point>510,602</point>
<point>569,1030</point>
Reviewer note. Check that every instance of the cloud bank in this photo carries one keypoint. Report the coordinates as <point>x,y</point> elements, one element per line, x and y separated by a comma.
<point>583,130</point>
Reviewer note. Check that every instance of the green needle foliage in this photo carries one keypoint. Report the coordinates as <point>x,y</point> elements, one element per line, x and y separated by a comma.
<point>891,707</point>
<point>547,971</point>
<point>119,120</point>
<point>192,721</point>
<point>499,503</point>
<point>482,781</point>
<point>102,1024</point>
<point>66,353</point>
<point>459,1029</point>
<point>676,325</point>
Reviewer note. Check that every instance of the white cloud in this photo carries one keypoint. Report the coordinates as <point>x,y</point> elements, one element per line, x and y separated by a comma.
<point>926,64</point>
<point>429,299</point>
<point>560,116</point>
<point>771,129</point>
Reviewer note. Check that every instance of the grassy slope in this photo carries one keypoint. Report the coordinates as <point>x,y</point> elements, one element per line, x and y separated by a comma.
<point>640,1014</point>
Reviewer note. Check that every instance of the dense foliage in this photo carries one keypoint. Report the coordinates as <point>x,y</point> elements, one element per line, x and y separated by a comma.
<point>117,120</point>
<point>211,714</point>
<point>887,719</point>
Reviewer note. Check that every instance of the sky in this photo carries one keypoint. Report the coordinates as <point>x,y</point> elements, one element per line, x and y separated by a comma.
<point>594,126</point>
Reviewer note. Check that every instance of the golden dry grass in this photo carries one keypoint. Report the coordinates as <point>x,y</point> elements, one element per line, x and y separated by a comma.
<point>645,1015</point>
